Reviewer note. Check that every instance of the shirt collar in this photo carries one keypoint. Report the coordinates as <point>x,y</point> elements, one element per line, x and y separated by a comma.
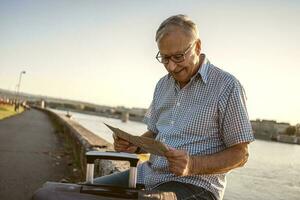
<point>203,70</point>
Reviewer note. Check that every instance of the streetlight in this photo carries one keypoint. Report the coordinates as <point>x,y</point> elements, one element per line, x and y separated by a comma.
<point>19,85</point>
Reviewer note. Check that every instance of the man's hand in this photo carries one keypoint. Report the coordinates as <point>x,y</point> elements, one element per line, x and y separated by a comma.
<point>178,161</point>
<point>121,145</point>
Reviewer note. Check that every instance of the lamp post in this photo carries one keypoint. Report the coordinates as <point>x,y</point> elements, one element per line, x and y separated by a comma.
<point>18,88</point>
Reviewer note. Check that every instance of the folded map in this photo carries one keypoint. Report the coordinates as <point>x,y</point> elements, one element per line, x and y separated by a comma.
<point>147,144</point>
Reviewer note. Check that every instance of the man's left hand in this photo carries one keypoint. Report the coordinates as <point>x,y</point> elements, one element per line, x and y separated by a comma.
<point>178,161</point>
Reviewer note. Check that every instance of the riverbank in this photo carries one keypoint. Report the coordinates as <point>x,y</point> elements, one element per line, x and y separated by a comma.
<point>7,110</point>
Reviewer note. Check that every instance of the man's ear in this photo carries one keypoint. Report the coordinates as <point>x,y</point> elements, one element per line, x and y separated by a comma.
<point>198,47</point>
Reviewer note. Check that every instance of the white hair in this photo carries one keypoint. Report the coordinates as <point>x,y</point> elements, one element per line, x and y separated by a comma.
<point>180,21</point>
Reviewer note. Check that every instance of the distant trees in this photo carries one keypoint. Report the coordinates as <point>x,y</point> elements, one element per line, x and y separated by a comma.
<point>89,108</point>
<point>291,130</point>
<point>297,129</point>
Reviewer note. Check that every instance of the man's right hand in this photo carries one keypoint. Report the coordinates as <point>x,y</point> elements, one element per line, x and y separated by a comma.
<point>121,145</point>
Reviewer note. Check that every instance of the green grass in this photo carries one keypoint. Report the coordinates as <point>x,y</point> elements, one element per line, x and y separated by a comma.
<point>7,111</point>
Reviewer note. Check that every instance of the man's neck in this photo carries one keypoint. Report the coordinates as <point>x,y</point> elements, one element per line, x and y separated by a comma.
<point>199,64</point>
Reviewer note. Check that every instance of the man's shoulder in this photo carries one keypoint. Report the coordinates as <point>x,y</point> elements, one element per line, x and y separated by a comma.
<point>164,81</point>
<point>217,74</point>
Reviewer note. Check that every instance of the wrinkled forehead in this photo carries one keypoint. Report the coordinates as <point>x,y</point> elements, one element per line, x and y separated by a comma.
<point>180,30</point>
<point>174,41</point>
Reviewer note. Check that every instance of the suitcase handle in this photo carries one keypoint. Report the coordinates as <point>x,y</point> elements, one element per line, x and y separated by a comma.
<point>91,156</point>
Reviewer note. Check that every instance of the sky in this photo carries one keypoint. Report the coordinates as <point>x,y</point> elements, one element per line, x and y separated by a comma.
<point>104,51</point>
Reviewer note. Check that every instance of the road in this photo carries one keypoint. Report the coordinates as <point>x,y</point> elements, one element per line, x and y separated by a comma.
<point>31,153</point>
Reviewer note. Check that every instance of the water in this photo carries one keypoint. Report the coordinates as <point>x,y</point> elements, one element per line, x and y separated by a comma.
<point>95,124</point>
<point>272,171</point>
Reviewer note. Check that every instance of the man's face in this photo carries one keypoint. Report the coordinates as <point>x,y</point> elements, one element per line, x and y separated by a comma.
<point>176,42</point>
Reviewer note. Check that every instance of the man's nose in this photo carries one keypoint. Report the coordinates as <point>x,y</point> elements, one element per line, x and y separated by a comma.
<point>171,66</point>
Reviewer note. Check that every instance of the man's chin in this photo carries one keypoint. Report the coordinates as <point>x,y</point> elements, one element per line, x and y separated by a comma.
<point>181,80</point>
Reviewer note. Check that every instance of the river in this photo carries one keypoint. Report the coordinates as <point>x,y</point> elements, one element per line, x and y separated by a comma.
<point>271,173</point>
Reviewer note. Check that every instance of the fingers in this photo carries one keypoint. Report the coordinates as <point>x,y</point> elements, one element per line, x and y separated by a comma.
<point>171,148</point>
<point>182,164</point>
<point>174,153</point>
<point>178,161</point>
<point>178,170</point>
<point>121,145</point>
<point>131,149</point>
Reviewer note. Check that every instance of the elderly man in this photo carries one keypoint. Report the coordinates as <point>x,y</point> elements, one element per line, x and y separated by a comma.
<point>199,112</point>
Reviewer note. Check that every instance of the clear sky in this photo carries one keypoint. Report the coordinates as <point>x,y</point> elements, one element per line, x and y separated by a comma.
<point>104,51</point>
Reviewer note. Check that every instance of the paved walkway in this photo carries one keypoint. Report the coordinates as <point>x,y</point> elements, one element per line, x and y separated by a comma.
<point>30,154</point>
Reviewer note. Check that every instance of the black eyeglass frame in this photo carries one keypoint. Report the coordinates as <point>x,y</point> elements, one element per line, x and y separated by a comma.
<point>160,58</point>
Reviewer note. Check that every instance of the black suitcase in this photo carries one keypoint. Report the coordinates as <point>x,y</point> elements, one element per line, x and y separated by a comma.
<point>89,191</point>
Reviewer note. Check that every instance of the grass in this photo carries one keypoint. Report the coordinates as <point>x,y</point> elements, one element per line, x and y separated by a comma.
<point>8,110</point>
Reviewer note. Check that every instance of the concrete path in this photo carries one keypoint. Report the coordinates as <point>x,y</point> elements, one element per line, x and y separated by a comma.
<point>30,154</point>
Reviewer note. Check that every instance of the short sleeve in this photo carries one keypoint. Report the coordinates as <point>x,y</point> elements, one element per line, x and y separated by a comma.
<point>234,121</point>
<point>150,118</point>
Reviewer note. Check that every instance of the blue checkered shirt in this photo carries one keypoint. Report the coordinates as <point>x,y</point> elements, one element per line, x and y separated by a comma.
<point>207,116</point>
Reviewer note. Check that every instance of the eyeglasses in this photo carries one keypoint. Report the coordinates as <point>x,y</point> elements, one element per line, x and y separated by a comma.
<point>176,58</point>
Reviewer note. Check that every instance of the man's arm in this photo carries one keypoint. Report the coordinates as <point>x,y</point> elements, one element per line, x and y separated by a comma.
<point>181,164</point>
<point>221,162</point>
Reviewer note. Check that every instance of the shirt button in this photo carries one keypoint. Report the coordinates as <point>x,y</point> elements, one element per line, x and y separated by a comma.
<point>172,122</point>
<point>178,104</point>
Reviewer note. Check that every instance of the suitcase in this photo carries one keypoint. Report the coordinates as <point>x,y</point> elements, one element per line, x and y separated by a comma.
<point>89,191</point>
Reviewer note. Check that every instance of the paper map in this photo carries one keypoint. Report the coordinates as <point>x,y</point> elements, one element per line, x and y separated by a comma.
<point>147,144</point>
